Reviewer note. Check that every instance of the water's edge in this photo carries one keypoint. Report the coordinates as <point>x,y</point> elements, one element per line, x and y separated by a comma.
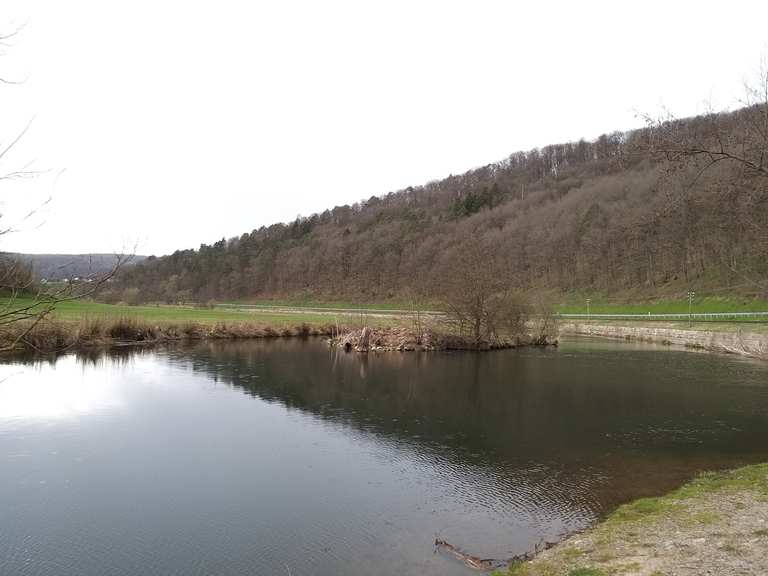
<point>704,517</point>
<point>742,343</point>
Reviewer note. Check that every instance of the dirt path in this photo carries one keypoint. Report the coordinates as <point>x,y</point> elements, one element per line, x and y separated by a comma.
<point>716,525</point>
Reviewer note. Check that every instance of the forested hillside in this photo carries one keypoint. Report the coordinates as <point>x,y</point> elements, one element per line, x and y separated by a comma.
<point>678,203</point>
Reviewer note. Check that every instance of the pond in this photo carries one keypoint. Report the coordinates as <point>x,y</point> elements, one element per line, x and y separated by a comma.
<point>286,457</point>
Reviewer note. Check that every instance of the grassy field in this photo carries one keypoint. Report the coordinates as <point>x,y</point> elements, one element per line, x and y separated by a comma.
<point>83,309</point>
<point>703,304</point>
<point>330,304</point>
<point>314,313</point>
<point>569,304</point>
<point>87,323</point>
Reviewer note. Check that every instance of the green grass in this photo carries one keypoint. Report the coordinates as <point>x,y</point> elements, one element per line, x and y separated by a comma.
<point>524,569</point>
<point>315,315</point>
<point>331,304</point>
<point>80,309</point>
<point>701,304</point>
<point>586,572</point>
<point>570,304</point>
<point>644,508</point>
<point>753,478</point>
<point>630,521</point>
<point>704,518</point>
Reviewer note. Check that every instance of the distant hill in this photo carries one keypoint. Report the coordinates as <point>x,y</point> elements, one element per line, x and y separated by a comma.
<point>625,212</point>
<point>53,267</point>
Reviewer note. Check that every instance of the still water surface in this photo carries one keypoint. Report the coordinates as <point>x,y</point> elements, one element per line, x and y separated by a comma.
<point>278,457</point>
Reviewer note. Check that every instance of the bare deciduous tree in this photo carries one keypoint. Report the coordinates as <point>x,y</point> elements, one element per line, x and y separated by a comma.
<point>477,291</point>
<point>24,303</point>
<point>724,155</point>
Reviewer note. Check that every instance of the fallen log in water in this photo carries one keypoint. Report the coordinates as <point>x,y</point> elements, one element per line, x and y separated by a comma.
<point>477,563</point>
<point>472,561</point>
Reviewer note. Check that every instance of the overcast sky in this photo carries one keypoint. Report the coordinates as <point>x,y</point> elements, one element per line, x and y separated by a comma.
<point>168,124</point>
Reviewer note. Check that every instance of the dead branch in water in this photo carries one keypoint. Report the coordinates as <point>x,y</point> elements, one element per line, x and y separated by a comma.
<point>477,563</point>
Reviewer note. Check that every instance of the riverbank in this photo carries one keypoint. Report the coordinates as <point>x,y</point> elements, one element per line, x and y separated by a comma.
<point>428,339</point>
<point>717,524</point>
<point>88,323</point>
<point>85,323</point>
<point>733,340</point>
<point>54,334</point>
<point>59,335</point>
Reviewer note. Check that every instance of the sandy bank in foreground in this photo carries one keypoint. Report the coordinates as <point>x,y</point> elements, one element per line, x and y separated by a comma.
<point>716,524</point>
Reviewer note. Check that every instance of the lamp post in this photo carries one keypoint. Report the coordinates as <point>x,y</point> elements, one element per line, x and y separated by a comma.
<point>691,296</point>
<point>589,301</point>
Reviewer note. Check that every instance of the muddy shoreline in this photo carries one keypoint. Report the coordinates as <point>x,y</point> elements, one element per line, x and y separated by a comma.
<point>715,524</point>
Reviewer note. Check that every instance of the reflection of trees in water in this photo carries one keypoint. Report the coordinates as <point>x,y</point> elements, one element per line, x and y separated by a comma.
<point>514,407</point>
<point>96,356</point>
<point>512,403</point>
<point>630,423</point>
<point>571,432</point>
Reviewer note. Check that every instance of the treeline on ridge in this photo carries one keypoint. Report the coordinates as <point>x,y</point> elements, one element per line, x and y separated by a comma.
<point>617,213</point>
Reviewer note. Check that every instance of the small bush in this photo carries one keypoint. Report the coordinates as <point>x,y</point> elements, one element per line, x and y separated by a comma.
<point>92,329</point>
<point>270,332</point>
<point>190,330</point>
<point>47,336</point>
<point>131,329</point>
<point>131,296</point>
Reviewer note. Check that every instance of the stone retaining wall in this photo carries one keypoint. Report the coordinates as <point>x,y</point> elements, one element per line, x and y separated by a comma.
<point>744,343</point>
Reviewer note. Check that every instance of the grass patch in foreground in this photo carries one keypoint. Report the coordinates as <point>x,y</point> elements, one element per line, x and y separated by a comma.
<point>524,569</point>
<point>710,513</point>
<point>586,572</point>
<point>753,478</point>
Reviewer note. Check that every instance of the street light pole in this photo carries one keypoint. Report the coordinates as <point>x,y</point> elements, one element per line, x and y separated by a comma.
<point>589,300</point>
<point>691,296</point>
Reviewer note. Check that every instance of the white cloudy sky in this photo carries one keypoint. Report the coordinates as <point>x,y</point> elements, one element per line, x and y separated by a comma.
<point>169,124</point>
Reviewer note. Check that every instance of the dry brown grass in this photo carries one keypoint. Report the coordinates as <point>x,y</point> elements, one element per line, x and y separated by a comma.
<point>57,335</point>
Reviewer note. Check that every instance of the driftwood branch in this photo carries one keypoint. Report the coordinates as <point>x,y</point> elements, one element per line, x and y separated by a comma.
<point>477,563</point>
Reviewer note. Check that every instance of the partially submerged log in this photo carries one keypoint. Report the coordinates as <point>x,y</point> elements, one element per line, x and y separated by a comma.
<point>477,563</point>
<point>474,562</point>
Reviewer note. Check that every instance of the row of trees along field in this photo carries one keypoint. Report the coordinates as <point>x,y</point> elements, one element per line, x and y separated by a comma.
<point>675,203</point>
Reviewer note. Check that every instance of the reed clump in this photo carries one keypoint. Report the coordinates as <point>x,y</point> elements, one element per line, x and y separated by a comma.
<point>57,335</point>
